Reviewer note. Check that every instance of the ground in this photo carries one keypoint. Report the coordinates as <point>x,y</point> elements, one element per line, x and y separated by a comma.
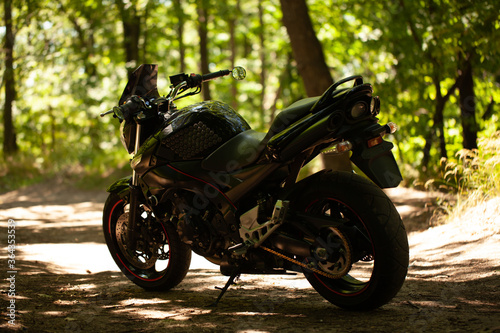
<point>65,279</point>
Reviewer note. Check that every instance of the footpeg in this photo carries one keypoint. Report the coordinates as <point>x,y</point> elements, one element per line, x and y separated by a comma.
<point>240,249</point>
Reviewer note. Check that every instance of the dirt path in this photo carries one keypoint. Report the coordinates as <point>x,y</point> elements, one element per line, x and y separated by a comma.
<point>66,280</point>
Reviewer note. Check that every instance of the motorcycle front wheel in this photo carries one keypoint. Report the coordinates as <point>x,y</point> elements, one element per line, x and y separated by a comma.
<point>160,260</point>
<point>366,245</point>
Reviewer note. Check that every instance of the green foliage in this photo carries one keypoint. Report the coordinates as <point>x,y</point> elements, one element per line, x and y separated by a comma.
<point>409,49</point>
<point>472,173</point>
<point>468,180</point>
<point>70,66</point>
<point>18,172</point>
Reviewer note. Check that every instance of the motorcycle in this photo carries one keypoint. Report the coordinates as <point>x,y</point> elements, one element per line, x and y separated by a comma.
<point>204,181</point>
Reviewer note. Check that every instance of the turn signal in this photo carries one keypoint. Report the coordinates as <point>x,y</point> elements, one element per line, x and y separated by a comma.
<point>392,128</point>
<point>339,148</point>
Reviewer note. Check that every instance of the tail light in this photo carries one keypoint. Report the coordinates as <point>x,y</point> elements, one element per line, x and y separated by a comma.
<point>374,142</point>
<point>389,128</point>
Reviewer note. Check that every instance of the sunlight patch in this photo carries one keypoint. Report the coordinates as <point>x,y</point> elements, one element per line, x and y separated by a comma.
<point>68,258</point>
<point>182,315</point>
<point>139,301</point>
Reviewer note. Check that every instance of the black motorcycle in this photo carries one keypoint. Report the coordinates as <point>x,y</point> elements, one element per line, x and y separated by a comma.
<point>204,181</point>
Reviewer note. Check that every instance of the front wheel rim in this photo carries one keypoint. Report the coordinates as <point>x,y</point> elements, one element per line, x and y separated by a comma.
<point>147,271</point>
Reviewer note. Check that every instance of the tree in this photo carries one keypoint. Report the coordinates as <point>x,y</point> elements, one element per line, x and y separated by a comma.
<point>131,22</point>
<point>202,7</point>
<point>235,14</point>
<point>433,44</point>
<point>424,59</point>
<point>311,64</point>
<point>262,51</point>
<point>9,140</point>
<point>306,47</point>
<point>450,39</point>
<point>179,13</point>
<point>468,105</point>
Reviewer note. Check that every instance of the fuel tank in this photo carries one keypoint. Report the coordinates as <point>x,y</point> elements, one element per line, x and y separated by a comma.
<point>190,133</point>
<point>197,130</point>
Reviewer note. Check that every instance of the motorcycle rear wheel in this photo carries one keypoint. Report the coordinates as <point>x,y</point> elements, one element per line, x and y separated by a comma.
<point>160,261</point>
<point>378,245</point>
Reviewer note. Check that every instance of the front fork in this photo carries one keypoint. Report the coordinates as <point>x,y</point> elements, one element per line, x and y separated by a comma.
<point>135,191</point>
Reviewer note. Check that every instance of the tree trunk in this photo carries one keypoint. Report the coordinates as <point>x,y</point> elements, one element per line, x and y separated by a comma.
<point>438,121</point>
<point>262,52</point>
<point>468,107</point>
<point>311,64</point>
<point>179,13</point>
<point>306,47</point>
<point>203,33</point>
<point>9,140</point>
<point>232,21</point>
<point>131,22</point>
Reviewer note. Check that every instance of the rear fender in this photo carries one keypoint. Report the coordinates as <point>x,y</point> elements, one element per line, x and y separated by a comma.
<point>378,164</point>
<point>309,224</point>
<point>297,189</point>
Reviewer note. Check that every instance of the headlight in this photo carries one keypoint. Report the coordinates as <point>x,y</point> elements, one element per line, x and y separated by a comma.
<point>127,135</point>
<point>358,110</point>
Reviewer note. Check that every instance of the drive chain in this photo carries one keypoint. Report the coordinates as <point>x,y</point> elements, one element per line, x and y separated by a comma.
<point>301,264</point>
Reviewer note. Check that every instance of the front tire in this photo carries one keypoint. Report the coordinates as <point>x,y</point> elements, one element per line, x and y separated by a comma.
<point>160,261</point>
<point>374,235</point>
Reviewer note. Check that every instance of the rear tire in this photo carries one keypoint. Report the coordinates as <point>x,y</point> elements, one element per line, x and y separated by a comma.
<point>376,237</point>
<point>162,268</point>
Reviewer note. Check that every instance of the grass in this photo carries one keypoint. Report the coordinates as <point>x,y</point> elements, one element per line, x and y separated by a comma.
<point>473,177</point>
<point>23,170</point>
<point>18,171</point>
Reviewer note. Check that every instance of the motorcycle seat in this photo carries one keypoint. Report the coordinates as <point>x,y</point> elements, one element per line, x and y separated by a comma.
<point>291,114</point>
<point>236,153</point>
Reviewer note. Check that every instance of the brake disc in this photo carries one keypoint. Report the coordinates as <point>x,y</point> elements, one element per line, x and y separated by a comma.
<point>142,256</point>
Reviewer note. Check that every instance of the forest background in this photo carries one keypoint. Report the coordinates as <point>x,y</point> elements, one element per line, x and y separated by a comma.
<point>434,63</point>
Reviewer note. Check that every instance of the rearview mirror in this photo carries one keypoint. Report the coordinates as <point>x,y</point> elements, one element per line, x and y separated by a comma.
<point>239,73</point>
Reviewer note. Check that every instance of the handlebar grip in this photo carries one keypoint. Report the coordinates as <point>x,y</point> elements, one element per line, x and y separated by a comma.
<point>129,107</point>
<point>126,110</point>
<point>214,75</point>
<point>195,80</point>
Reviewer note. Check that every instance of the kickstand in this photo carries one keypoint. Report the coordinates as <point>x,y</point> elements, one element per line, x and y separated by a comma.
<point>236,273</point>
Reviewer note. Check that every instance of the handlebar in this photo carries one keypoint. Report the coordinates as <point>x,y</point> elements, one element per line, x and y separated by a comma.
<point>214,75</point>
<point>195,80</point>
<point>180,83</point>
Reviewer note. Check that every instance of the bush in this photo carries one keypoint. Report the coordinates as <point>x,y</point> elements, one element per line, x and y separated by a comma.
<point>83,169</point>
<point>472,171</point>
<point>473,176</point>
<point>17,171</point>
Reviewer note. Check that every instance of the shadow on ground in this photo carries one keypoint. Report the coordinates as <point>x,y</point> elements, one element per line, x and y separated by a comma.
<point>98,302</point>
<point>67,282</point>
